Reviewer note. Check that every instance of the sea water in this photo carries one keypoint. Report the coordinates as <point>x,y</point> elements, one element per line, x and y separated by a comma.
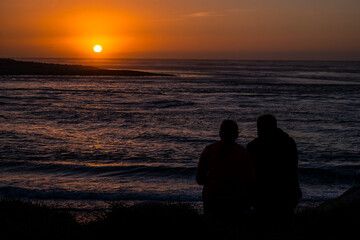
<point>87,140</point>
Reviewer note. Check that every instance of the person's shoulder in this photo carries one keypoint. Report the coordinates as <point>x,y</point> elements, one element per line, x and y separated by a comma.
<point>239,146</point>
<point>213,146</point>
<point>252,143</point>
<point>242,150</point>
<point>286,137</point>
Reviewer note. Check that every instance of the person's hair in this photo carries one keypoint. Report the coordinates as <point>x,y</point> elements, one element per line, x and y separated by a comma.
<point>229,130</point>
<point>266,124</point>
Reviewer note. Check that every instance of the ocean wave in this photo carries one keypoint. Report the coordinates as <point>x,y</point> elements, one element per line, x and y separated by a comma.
<point>335,175</point>
<point>103,171</point>
<point>313,175</point>
<point>58,194</point>
<point>148,131</point>
<point>169,103</point>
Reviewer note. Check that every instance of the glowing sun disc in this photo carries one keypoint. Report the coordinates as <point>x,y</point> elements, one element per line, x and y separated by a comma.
<point>97,48</point>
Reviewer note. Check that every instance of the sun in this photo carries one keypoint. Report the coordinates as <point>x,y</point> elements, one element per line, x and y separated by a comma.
<point>97,48</point>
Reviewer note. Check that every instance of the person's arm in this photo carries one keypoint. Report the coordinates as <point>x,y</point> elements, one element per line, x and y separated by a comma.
<point>202,170</point>
<point>295,159</point>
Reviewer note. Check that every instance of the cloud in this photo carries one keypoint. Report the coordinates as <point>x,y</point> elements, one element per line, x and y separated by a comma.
<point>192,15</point>
<point>221,13</point>
<point>206,14</point>
<point>241,10</point>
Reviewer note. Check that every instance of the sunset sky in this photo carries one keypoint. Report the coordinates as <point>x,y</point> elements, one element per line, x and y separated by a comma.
<point>237,29</point>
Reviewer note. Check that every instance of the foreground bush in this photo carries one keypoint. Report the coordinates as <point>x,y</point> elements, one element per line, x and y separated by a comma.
<point>20,219</point>
<point>161,221</point>
<point>24,220</point>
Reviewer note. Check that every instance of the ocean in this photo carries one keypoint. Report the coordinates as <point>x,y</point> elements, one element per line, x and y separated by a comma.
<point>86,142</point>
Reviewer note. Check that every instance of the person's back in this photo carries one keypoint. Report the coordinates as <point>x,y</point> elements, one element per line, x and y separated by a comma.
<point>275,159</point>
<point>225,169</point>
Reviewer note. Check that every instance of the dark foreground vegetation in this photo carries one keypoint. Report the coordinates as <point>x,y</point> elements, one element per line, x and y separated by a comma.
<point>336,219</point>
<point>13,67</point>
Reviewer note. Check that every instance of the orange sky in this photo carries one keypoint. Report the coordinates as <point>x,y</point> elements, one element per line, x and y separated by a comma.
<point>238,29</point>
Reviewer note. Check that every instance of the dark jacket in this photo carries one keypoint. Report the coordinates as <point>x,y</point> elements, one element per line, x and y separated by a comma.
<point>275,160</point>
<point>227,175</point>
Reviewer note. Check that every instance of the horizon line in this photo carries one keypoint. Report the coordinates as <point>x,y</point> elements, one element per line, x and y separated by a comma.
<point>192,59</point>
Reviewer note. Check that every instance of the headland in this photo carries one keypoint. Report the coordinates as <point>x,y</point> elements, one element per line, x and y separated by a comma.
<point>15,67</point>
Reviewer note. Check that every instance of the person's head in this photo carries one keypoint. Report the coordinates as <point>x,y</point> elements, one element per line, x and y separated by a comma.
<point>266,125</point>
<point>229,131</point>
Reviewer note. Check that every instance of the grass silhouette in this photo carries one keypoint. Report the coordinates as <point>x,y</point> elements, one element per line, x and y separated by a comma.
<point>334,220</point>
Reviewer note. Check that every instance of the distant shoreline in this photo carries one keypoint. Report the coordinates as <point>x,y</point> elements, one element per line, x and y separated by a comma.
<point>15,67</point>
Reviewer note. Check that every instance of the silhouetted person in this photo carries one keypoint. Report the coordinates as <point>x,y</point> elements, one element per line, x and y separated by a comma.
<point>277,189</point>
<point>226,170</point>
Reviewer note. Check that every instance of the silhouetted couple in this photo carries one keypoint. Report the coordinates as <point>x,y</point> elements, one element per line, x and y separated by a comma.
<point>263,176</point>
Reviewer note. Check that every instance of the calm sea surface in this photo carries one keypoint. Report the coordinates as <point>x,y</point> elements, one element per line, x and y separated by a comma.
<point>88,140</point>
